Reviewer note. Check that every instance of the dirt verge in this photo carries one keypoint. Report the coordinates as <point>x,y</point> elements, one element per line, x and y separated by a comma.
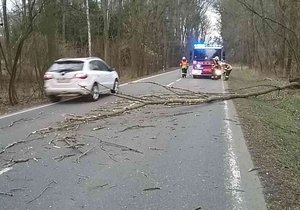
<point>271,127</point>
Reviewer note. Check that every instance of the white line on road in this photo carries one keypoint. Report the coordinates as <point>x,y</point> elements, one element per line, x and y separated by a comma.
<point>235,174</point>
<point>170,84</point>
<point>51,104</point>
<point>139,80</point>
<point>27,110</point>
<point>178,80</point>
<point>5,170</point>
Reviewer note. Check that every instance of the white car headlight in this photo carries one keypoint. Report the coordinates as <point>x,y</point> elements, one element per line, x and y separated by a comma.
<point>198,66</point>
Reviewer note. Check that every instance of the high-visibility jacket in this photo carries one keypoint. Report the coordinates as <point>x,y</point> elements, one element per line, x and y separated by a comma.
<point>184,64</point>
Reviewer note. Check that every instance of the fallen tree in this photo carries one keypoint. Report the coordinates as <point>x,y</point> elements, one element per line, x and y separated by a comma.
<point>175,96</point>
<point>178,96</point>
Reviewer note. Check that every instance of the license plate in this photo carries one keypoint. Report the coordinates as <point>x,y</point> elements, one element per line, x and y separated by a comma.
<point>63,80</point>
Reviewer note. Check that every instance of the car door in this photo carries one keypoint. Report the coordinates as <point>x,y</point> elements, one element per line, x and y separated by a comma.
<point>112,75</point>
<point>106,75</point>
<point>96,74</point>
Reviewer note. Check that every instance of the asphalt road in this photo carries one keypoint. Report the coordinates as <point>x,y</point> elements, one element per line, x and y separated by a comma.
<point>192,157</point>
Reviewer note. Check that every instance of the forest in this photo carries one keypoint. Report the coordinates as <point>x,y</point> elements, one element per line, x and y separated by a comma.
<point>140,37</point>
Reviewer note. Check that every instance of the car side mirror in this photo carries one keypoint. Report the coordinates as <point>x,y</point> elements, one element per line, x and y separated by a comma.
<point>112,69</point>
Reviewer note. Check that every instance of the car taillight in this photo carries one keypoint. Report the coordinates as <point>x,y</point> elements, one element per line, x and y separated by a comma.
<point>48,76</point>
<point>81,76</point>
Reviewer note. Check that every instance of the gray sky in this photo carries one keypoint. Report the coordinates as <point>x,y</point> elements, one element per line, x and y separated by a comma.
<point>11,3</point>
<point>214,18</point>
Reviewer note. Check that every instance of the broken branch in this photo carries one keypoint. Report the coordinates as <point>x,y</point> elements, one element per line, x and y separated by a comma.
<point>83,154</point>
<point>122,147</point>
<point>48,186</point>
<point>62,157</point>
<point>137,127</point>
<point>7,194</point>
<point>19,142</point>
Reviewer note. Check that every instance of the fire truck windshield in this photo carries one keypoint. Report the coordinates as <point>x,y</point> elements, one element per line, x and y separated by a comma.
<point>206,54</point>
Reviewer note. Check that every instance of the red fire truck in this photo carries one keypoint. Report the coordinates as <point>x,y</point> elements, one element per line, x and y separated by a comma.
<point>202,57</point>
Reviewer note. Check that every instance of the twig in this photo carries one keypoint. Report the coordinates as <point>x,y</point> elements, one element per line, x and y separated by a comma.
<point>151,189</point>
<point>51,141</point>
<point>75,146</point>
<point>66,141</point>
<point>231,120</point>
<point>7,194</point>
<point>238,190</point>
<point>183,113</point>
<point>100,186</point>
<point>98,128</point>
<point>48,186</point>
<point>107,115</point>
<point>41,131</point>
<point>19,142</point>
<point>111,158</point>
<point>13,162</point>
<point>253,169</point>
<point>137,127</point>
<point>62,157</point>
<point>14,122</point>
<point>190,91</point>
<point>152,148</point>
<point>83,154</point>
<point>129,97</point>
<point>124,148</point>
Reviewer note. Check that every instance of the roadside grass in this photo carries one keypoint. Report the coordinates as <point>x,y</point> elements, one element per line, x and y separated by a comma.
<point>271,126</point>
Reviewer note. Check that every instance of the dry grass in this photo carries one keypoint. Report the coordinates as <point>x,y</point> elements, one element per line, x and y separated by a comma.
<point>272,128</point>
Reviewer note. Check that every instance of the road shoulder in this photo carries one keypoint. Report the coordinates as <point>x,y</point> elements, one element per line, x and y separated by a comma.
<point>271,126</point>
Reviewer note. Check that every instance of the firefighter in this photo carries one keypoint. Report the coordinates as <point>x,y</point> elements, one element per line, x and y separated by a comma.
<point>184,65</point>
<point>216,68</point>
<point>227,70</point>
<point>216,63</point>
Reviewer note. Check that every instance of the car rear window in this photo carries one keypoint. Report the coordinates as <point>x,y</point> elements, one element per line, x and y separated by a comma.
<point>67,66</point>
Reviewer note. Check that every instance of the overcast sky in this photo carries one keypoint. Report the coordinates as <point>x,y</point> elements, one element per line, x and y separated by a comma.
<point>10,3</point>
<point>214,19</point>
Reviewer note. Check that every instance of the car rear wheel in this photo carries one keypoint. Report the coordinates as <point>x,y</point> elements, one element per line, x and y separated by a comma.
<point>54,98</point>
<point>116,87</point>
<point>94,95</point>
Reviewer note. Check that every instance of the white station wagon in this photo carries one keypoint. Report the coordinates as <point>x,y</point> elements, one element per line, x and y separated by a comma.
<point>88,77</point>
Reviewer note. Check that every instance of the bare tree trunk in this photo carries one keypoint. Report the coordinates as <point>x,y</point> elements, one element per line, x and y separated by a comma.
<point>1,74</point>
<point>24,8</point>
<point>11,88</point>
<point>106,18</point>
<point>64,20</point>
<point>120,9</point>
<point>291,37</point>
<point>7,35</point>
<point>282,8</point>
<point>89,27</point>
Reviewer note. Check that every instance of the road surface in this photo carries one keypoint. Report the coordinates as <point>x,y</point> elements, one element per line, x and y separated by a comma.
<point>188,157</point>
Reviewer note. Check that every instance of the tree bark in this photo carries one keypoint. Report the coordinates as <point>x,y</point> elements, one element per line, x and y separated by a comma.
<point>88,28</point>
<point>106,18</point>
